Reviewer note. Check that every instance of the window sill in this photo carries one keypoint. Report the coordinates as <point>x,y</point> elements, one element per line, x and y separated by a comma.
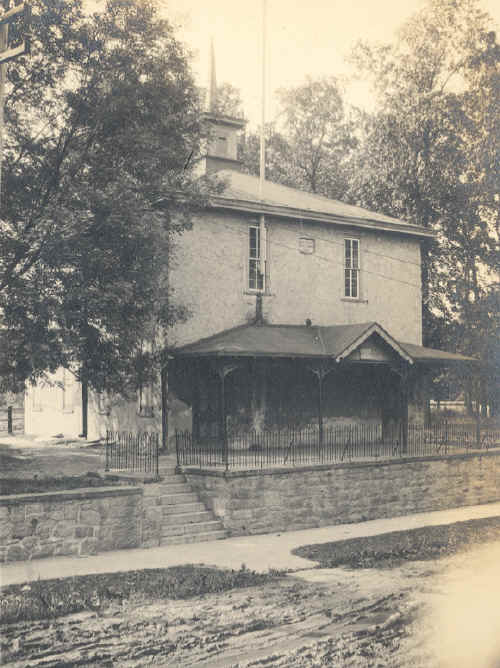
<point>67,411</point>
<point>354,300</point>
<point>258,292</point>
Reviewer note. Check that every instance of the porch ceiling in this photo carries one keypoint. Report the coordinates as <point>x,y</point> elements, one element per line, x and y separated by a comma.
<point>333,342</point>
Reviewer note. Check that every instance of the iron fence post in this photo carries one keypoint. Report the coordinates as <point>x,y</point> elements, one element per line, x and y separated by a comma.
<point>107,450</point>
<point>10,429</point>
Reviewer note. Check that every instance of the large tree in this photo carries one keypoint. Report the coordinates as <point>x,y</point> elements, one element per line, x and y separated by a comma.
<point>430,151</point>
<point>103,128</point>
<point>309,142</point>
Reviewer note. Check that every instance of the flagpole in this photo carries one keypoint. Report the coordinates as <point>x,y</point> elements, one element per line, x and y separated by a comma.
<point>262,165</point>
<point>262,169</point>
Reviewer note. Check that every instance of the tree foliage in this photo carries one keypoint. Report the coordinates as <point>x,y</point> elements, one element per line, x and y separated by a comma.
<point>103,126</point>
<point>310,141</point>
<point>430,154</point>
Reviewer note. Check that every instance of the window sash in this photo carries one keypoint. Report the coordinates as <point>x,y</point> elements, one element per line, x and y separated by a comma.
<point>255,274</point>
<point>351,268</point>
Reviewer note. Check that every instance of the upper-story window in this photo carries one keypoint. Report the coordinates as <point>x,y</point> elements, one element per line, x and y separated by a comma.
<point>351,268</point>
<point>255,265</point>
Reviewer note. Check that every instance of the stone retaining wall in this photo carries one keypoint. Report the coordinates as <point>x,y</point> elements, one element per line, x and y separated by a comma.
<point>75,522</point>
<point>254,502</point>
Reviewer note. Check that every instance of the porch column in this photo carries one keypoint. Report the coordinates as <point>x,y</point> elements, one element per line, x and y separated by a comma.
<point>404,385</point>
<point>320,370</point>
<point>223,369</point>
<point>196,403</point>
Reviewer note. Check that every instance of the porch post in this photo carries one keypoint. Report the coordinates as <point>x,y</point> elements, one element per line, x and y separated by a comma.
<point>223,370</point>
<point>222,416</point>
<point>320,370</point>
<point>196,403</point>
<point>404,407</point>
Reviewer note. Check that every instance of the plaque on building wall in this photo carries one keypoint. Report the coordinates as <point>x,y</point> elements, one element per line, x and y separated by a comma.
<point>306,245</point>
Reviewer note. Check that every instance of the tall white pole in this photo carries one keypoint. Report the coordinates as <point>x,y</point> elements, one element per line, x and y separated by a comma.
<point>4,34</point>
<point>262,170</point>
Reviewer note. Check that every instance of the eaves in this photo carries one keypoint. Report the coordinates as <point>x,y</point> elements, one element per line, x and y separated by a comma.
<point>279,211</point>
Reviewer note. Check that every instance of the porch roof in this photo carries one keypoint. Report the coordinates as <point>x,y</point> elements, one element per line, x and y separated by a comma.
<point>332,342</point>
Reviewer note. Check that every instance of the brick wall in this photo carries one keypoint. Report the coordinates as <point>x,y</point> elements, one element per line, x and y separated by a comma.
<point>281,500</point>
<point>77,522</point>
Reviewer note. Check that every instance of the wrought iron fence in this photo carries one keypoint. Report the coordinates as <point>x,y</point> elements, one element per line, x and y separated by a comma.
<point>128,451</point>
<point>364,442</point>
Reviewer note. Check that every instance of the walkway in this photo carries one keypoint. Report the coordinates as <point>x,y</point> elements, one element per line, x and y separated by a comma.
<point>257,552</point>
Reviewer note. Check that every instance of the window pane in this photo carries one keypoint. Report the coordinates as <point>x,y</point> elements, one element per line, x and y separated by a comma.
<point>254,242</point>
<point>348,253</point>
<point>252,274</point>
<point>354,283</point>
<point>347,281</point>
<point>355,253</point>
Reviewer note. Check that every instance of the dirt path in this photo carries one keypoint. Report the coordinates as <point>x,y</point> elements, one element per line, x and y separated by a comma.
<point>433,613</point>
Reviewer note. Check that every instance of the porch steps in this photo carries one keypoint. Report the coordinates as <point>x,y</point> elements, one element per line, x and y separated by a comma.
<point>184,518</point>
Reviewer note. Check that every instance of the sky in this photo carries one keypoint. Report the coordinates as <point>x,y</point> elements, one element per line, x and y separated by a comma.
<point>305,37</point>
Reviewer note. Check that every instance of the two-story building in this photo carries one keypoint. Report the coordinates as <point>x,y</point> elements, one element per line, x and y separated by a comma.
<point>304,312</point>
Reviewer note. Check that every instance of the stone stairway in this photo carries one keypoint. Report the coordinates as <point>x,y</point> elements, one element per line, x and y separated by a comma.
<point>174,514</point>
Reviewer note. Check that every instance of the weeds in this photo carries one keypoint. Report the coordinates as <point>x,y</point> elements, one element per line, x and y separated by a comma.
<point>53,598</point>
<point>392,549</point>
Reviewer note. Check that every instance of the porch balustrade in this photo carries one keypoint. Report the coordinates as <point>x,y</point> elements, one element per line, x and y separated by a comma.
<point>345,443</point>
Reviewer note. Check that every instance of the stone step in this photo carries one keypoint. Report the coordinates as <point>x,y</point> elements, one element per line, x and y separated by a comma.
<point>190,507</point>
<point>187,518</point>
<point>193,538</point>
<point>172,477</point>
<point>188,529</point>
<point>175,488</point>
<point>167,470</point>
<point>175,499</point>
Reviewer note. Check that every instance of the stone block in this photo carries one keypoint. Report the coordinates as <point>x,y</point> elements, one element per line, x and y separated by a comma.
<point>5,529</point>
<point>66,548</point>
<point>20,530</point>
<point>83,532</point>
<point>16,553</point>
<point>34,509</point>
<point>17,513</point>
<point>70,511</point>
<point>63,529</point>
<point>91,517</point>
<point>88,546</point>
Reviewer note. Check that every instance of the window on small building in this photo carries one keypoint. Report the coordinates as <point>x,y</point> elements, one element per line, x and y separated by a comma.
<point>255,268</point>
<point>351,268</point>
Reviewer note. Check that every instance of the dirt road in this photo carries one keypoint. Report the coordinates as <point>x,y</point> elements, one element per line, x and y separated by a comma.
<point>433,613</point>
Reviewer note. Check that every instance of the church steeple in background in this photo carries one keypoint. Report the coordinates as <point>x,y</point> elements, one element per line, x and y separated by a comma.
<point>222,150</point>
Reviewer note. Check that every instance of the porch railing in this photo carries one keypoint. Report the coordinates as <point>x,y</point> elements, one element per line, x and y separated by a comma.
<point>129,451</point>
<point>363,442</point>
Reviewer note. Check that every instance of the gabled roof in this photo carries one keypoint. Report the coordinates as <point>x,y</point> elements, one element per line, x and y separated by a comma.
<point>335,342</point>
<point>242,194</point>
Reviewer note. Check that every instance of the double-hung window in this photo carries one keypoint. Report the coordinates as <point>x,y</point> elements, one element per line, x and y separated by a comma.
<point>351,268</point>
<point>255,263</point>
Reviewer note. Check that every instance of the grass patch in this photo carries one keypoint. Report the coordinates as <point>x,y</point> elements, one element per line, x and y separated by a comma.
<point>46,599</point>
<point>392,549</point>
<point>53,484</point>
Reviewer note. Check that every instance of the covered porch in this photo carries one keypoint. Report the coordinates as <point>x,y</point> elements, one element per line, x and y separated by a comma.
<point>279,395</point>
